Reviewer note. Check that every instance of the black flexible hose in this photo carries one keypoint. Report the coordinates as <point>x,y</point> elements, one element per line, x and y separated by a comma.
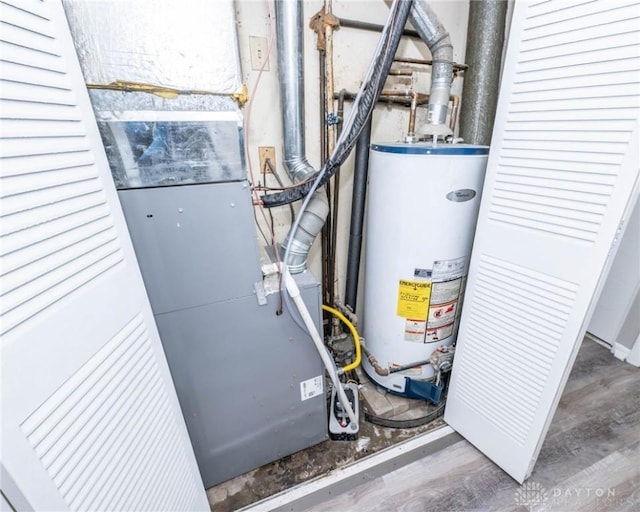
<point>412,423</point>
<point>361,113</point>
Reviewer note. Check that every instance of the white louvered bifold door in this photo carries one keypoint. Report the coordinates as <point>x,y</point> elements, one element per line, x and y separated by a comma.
<point>562,173</point>
<point>90,418</point>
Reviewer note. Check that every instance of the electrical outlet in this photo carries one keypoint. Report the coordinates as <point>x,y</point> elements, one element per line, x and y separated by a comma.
<point>258,47</point>
<point>267,153</point>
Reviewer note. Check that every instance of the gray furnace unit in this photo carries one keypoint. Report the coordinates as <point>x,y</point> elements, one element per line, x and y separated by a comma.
<point>250,383</point>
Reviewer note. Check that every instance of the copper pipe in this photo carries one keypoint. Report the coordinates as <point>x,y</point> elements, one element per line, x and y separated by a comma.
<point>405,93</point>
<point>401,72</point>
<point>325,233</point>
<point>404,101</point>
<point>413,107</point>
<point>412,115</point>
<point>455,107</point>
<point>412,99</point>
<point>396,98</point>
<point>380,370</point>
<point>331,142</point>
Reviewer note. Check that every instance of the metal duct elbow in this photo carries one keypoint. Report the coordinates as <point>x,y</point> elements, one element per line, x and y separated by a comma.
<point>437,39</point>
<point>289,41</point>
<point>310,225</point>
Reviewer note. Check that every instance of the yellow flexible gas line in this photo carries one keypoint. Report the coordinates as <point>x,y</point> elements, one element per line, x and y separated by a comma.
<point>354,334</point>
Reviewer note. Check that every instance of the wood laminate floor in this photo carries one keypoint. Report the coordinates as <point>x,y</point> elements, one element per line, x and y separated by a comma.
<point>590,460</point>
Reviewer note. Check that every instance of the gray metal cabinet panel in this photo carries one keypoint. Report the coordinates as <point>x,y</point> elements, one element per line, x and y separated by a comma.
<point>238,370</point>
<point>196,244</point>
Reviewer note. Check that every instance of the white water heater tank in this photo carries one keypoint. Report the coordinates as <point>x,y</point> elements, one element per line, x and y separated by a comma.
<point>422,211</point>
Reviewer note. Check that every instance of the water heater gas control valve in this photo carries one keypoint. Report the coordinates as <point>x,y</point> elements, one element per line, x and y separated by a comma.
<point>442,359</point>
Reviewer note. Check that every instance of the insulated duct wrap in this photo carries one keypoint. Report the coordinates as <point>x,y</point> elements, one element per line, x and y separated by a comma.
<point>186,45</point>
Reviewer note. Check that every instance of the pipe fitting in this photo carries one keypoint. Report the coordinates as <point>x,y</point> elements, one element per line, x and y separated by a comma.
<point>310,225</point>
<point>383,372</point>
<point>297,166</point>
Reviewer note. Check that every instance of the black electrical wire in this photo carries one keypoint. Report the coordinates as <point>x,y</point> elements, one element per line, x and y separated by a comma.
<point>361,111</point>
<point>264,180</point>
<point>272,168</point>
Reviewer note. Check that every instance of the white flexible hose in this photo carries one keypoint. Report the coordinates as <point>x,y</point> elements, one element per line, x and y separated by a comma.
<point>294,292</point>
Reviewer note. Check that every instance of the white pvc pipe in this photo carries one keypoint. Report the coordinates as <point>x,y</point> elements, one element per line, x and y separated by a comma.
<point>294,292</point>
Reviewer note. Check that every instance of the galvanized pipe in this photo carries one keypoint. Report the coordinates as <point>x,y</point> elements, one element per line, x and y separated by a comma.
<point>437,39</point>
<point>485,39</point>
<point>289,41</point>
<point>372,27</point>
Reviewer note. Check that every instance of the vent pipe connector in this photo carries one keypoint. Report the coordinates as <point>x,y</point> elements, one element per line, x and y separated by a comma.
<point>438,40</point>
<point>289,40</point>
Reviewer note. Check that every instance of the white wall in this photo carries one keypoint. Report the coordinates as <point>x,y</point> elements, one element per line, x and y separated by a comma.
<point>616,318</point>
<point>353,51</point>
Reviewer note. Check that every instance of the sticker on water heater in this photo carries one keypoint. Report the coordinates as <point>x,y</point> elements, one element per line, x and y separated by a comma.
<point>443,309</point>
<point>438,333</point>
<point>414,330</point>
<point>446,270</point>
<point>413,299</point>
<point>442,314</point>
<point>310,388</point>
<point>445,291</point>
<point>422,274</point>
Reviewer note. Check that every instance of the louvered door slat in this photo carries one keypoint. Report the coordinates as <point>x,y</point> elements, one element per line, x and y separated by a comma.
<point>561,176</point>
<point>92,422</point>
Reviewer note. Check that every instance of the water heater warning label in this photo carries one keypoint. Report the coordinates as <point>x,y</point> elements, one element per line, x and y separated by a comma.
<point>413,299</point>
<point>415,330</point>
<point>445,297</point>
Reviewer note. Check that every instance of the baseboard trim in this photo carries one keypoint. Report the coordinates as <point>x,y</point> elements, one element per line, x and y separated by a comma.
<point>320,489</point>
<point>597,340</point>
<point>629,355</point>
